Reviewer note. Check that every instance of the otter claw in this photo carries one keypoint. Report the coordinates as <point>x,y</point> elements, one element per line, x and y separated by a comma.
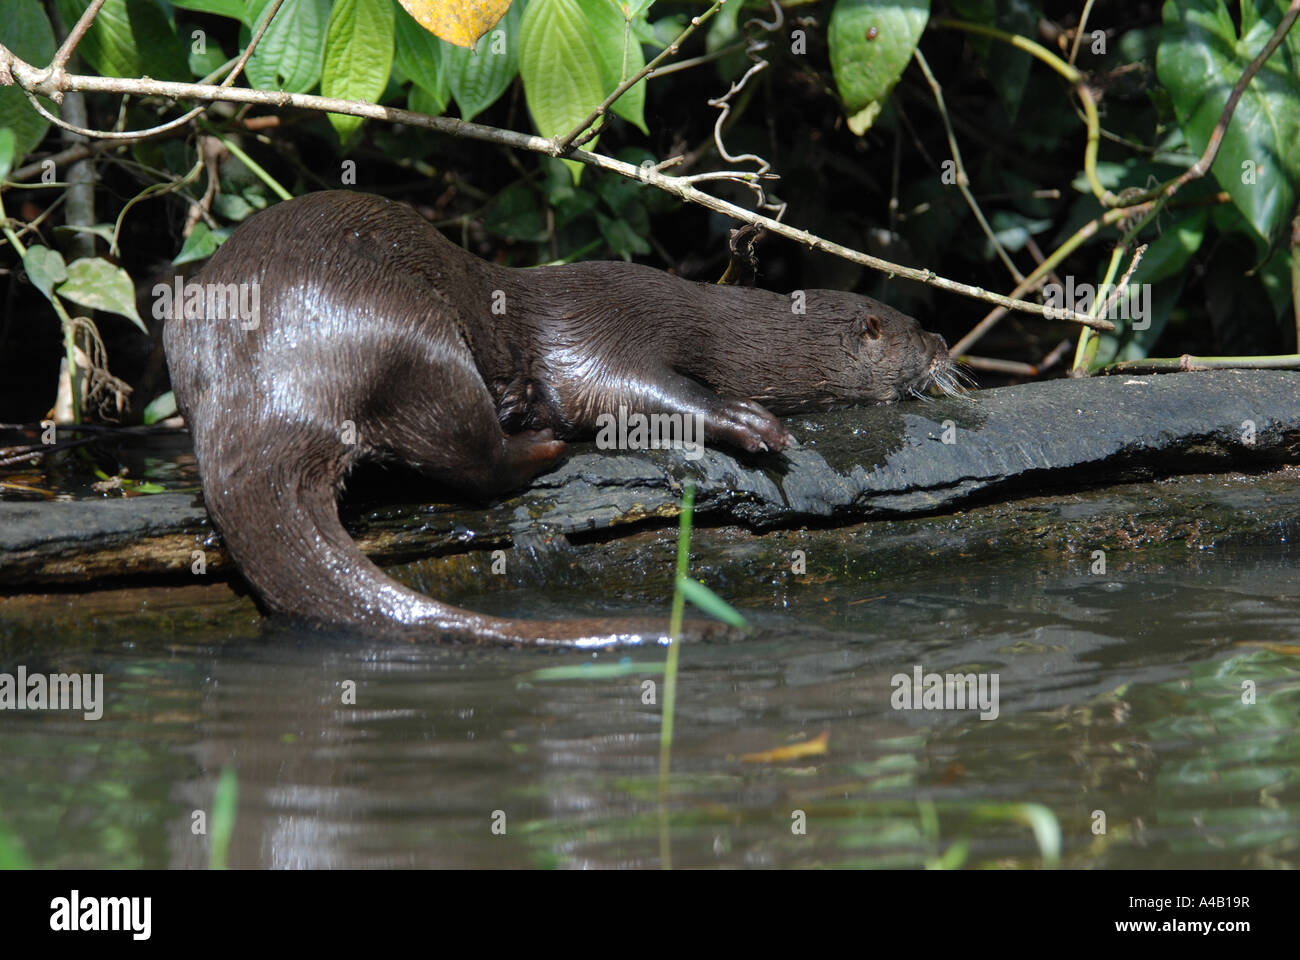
<point>751,427</point>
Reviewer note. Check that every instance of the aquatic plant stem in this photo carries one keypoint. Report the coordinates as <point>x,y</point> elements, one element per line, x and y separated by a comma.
<point>1187,362</point>
<point>670,671</point>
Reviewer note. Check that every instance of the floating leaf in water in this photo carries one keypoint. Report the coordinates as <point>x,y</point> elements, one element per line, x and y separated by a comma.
<point>597,671</point>
<point>816,747</point>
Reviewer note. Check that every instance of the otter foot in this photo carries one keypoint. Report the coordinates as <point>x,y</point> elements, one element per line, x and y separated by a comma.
<point>515,400</point>
<point>531,453</point>
<point>749,426</point>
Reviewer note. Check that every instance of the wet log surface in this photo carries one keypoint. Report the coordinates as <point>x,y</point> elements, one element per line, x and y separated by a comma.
<point>849,466</point>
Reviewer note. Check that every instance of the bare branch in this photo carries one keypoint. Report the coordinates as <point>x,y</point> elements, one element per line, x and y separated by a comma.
<point>64,53</point>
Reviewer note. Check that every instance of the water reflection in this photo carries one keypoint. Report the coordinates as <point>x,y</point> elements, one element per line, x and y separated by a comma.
<point>1163,698</point>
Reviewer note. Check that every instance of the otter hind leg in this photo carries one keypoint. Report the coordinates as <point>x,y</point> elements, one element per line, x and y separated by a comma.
<point>450,431</point>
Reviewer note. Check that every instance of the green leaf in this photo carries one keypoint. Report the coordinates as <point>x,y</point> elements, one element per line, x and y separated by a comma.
<point>421,100</point>
<point>290,54</point>
<point>358,57</point>
<point>561,72</point>
<point>27,33</point>
<point>867,69</point>
<point>1199,60</point>
<point>129,38</point>
<point>199,245</point>
<point>1008,67</point>
<point>976,11</point>
<point>568,202</point>
<point>160,408</point>
<point>723,28</point>
<point>232,206</point>
<point>517,214</point>
<point>1012,230</point>
<point>665,31</point>
<point>1275,276</point>
<point>419,56</point>
<point>205,63</point>
<point>1170,252</point>
<point>45,268</point>
<point>478,77</point>
<point>104,231</point>
<point>708,601</point>
<point>621,237</point>
<point>95,283</point>
<point>6,151</point>
<point>235,9</point>
<point>610,36</point>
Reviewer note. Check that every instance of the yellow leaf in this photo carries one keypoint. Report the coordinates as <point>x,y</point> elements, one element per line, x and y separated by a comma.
<point>815,747</point>
<point>457,22</point>
<point>1284,649</point>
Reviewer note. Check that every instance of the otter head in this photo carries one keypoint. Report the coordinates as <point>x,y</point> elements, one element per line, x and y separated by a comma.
<point>889,356</point>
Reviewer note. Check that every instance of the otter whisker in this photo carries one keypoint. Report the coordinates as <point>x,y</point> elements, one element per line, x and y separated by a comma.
<point>953,381</point>
<point>962,374</point>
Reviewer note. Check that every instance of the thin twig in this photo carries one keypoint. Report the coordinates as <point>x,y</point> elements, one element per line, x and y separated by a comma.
<point>1079,30</point>
<point>963,182</point>
<point>753,48</point>
<point>1188,363</point>
<point>65,51</point>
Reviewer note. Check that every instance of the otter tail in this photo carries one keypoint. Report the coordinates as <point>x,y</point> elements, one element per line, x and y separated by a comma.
<point>278,515</point>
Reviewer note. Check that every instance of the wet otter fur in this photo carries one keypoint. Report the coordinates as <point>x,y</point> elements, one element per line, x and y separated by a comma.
<point>376,337</point>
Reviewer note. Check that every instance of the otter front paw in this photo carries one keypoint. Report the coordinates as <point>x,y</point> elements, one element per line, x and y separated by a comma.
<point>749,426</point>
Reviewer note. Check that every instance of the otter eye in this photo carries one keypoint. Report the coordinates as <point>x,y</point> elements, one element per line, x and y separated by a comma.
<point>871,326</point>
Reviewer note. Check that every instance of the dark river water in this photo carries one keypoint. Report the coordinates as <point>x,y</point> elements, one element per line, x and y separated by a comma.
<point>1147,718</point>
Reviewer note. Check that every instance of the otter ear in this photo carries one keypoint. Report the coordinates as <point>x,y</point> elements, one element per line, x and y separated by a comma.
<point>867,326</point>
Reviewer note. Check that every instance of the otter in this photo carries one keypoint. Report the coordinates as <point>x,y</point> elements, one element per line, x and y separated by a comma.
<point>377,338</point>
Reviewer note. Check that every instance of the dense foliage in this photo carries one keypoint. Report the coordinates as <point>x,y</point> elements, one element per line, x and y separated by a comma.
<point>843,113</point>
